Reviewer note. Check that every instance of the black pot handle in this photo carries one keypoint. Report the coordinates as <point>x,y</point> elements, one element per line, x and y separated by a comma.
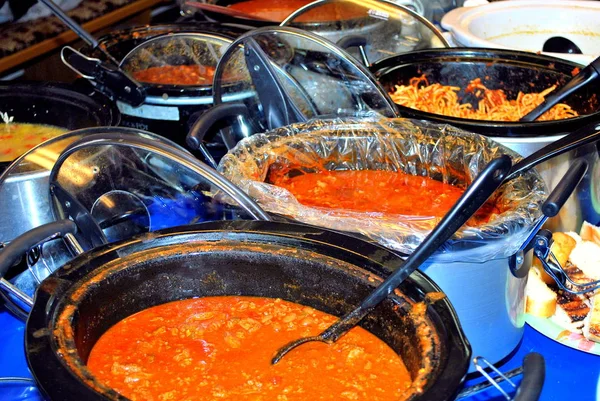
<point>565,188</point>
<point>534,374</point>
<point>24,242</point>
<point>217,114</point>
<point>355,41</point>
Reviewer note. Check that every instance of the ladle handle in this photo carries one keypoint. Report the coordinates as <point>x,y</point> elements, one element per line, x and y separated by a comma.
<point>583,136</point>
<point>534,374</point>
<point>68,21</point>
<point>24,242</point>
<point>588,74</point>
<point>471,200</point>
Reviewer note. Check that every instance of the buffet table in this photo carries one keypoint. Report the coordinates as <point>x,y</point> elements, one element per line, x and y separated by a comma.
<point>569,373</point>
<point>127,188</point>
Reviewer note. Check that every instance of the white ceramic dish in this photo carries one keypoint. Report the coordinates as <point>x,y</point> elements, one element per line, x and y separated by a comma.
<point>527,24</point>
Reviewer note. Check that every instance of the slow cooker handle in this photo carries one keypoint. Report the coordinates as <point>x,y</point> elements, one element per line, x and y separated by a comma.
<point>217,114</point>
<point>24,242</point>
<point>355,41</point>
<point>534,374</point>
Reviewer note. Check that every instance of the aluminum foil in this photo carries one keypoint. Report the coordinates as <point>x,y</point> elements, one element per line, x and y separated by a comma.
<point>441,152</point>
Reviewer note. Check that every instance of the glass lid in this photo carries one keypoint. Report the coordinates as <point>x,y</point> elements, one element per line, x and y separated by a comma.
<point>116,182</point>
<point>182,59</point>
<point>369,29</point>
<point>286,75</point>
<point>113,183</point>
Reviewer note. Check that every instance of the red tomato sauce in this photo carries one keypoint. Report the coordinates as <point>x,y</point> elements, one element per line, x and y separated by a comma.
<point>220,348</point>
<point>273,10</point>
<point>387,192</point>
<point>278,10</point>
<point>177,75</point>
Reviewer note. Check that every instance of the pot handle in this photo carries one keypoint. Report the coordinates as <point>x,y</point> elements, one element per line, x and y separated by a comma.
<point>217,114</point>
<point>534,374</point>
<point>355,41</point>
<point>24,242</point>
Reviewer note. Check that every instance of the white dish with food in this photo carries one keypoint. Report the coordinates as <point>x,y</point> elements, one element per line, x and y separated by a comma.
<point>527,25</point>
<point>571,319</point>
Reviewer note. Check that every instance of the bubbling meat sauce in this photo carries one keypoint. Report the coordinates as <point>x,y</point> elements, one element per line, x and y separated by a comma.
<point>220,348</point>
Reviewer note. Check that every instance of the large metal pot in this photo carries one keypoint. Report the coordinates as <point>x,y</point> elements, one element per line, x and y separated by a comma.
<point>512,71</point>
<point>308,265</point>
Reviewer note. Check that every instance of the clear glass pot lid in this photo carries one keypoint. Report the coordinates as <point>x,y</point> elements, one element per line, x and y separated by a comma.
<point>368,29</point>
<point>125,180</point>
<point>286,75</point>
<point>181,59</point>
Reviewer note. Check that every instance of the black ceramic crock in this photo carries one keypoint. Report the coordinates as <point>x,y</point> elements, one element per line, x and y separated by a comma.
<point>511,71</point>
<point>322,269</point>
<point>61,105</point>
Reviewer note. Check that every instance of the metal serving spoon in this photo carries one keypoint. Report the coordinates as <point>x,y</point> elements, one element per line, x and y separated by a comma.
<point>474,197</point>
<point>588,74</point>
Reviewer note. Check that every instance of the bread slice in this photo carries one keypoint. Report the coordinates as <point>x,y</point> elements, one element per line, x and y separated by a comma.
<point>562,245</point>
<point>586,256</point>
<point>571,311</point>
<point>590,232</point>
<point>591,328</point>
<point>541,300</point>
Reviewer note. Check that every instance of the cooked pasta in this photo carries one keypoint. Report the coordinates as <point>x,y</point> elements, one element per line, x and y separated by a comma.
<point>492,106</point>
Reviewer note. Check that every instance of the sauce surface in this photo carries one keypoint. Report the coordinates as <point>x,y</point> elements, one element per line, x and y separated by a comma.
<point>16,138</point>
<point>278,10</point>
<point>273,10</point>
<point>386,192</point>
<point>177,75</point>
<point>220,348</point>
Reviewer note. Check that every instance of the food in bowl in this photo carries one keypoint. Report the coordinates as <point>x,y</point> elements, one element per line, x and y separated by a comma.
<point>221,348</point>
<point>579,254</point>
<point>493,104</point>
<point>176,75</point>
<point>388,192</point>
<point>17,138</point>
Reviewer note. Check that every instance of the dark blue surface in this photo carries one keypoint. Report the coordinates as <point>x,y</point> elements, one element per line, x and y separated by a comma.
<point>570,374</point>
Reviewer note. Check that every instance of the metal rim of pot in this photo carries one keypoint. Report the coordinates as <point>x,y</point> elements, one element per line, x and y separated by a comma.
<point>387,66</point>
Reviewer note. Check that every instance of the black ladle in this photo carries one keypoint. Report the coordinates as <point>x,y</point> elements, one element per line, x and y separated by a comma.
<point>559,44</point>
<point>472,199</point>
<point>583,136</point>
<point>587,75</point>
<point>109,75</point>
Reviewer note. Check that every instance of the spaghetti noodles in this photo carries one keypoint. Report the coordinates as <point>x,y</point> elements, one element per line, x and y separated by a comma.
<point>492,103</point>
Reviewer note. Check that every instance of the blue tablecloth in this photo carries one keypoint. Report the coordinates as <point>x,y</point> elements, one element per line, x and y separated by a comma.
<point>570,374</point>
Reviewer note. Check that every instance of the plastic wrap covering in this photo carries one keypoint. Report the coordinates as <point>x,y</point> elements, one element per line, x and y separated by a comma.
<point>440,152</point>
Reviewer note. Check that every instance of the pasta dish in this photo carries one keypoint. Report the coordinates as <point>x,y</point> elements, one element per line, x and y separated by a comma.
<point>493,104</point>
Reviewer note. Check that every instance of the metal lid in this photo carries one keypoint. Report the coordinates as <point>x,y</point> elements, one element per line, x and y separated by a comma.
<point>370,30</point>
<point>181,59</point>
<point>115,183</point>
<point>286,75</point>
